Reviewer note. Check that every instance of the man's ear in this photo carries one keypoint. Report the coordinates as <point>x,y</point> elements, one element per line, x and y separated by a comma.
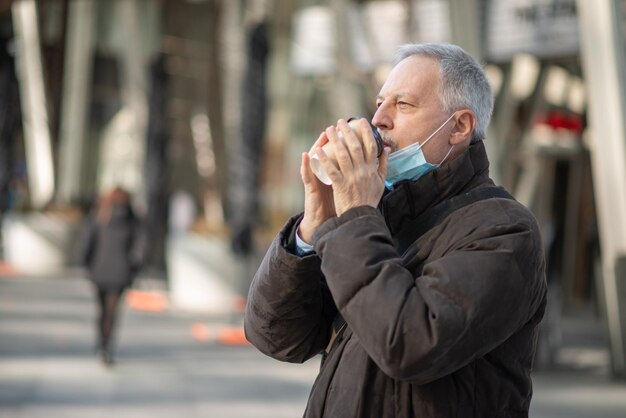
<point>465,123</point>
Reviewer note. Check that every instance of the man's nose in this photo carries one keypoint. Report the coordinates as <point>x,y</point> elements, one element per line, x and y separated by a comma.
<point>382,118</point>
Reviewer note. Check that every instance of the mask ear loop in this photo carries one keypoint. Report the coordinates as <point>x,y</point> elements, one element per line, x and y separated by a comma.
<point>444,158</point>
<point>434,133</point>
<point>438,129</point>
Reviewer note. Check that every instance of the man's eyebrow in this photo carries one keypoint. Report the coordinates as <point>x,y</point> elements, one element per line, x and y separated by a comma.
<point>400,96</point>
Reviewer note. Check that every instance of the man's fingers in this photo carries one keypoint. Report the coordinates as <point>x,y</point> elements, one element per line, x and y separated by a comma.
<point>305,170</point>
<point>353,144</point>
<point>342,155</point>
<point>333,173</point>
<point>319,143</point>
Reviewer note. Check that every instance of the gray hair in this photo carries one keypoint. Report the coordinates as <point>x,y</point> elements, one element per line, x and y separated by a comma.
<point>463,81</point>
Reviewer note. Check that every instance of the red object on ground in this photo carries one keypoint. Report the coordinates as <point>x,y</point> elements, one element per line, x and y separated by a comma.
<point>6,270</point>
<point>232,336</point>
<point>146,301</point>
<point>200,332</point>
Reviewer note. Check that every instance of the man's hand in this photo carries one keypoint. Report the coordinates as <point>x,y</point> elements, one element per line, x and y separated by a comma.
<point>318,197</point>
<point>358,181</point>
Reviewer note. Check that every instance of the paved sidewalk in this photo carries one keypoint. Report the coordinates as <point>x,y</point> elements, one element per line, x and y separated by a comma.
<point>48,368</point>
<point>578,385</point>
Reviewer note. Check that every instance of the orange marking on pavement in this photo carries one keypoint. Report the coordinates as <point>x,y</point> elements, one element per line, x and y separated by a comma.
<point>6,270</point>
<point>146,301</point>
<point>232,336</point>
<point>200,332</point>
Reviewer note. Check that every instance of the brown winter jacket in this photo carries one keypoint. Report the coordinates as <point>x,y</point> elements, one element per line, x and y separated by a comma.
<point>447,329</point>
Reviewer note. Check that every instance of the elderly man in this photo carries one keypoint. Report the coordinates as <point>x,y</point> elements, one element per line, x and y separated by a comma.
<point>419,281</point>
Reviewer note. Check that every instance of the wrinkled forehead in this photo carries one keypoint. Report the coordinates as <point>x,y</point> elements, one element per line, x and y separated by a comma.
<point>416,76</point>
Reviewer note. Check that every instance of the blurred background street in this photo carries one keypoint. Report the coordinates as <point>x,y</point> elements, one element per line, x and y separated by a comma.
<point>200,110</point>
<point>165,367</point>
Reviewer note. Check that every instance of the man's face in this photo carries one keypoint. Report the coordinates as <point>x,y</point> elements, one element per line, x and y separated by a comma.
<point>409,109</point>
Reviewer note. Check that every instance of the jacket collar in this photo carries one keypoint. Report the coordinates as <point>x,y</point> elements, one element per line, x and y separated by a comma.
<point>410,198</point>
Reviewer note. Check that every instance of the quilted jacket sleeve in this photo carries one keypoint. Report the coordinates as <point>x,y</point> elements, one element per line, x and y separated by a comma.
<point>289,310</point>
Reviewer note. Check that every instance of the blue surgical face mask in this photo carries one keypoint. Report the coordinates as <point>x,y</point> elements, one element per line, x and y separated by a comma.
<point>409,162</point>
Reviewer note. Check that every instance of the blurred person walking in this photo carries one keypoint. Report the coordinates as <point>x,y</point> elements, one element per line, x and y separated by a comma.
<point>111,248</point>
<point>419,281</point>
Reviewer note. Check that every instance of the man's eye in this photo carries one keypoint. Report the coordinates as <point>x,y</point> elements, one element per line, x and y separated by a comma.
<point>378,104</point>
<point>403,104</point>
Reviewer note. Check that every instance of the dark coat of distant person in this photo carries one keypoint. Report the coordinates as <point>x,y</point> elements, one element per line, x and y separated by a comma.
<point>109,247</point>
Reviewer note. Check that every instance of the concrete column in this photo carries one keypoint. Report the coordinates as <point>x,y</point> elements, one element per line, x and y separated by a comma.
<point>603,48</point>
<point>465,25</point>
<point>134,69</point>
<point>33,102</point>
<point>75,100</point>
<point>465,18</point>
<point>123,144</point>
<point>344,98</point>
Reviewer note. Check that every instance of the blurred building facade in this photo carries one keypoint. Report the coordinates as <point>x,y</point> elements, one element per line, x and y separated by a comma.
<point>217,99</point>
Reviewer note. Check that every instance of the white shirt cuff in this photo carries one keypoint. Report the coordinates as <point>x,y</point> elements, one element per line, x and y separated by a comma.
<point>303,248</point>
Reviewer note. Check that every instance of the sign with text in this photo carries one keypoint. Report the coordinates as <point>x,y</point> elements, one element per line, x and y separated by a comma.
<point>543,28</point>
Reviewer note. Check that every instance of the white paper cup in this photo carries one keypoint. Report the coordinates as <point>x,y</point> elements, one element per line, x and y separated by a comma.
<point>316,165</point>
<point>329,149</point>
